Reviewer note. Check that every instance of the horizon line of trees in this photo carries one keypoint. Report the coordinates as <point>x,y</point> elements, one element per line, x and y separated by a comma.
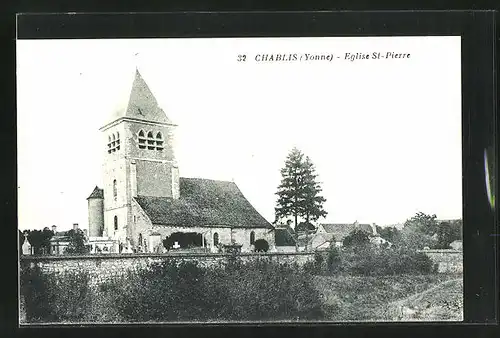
<point>40,241</point>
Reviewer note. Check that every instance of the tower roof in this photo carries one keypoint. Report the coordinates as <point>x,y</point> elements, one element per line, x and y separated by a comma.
<point>97,193</point>
<point>140,104</point>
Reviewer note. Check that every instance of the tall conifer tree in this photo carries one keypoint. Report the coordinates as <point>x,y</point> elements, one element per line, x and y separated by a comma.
<point>290,191</point>
<point>298,192</point>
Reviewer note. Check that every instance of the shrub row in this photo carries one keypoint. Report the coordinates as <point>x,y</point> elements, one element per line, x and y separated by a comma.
<point>176,291</point>
<point>258,290</point>
<point>369,260</point>
<point>55,298</point>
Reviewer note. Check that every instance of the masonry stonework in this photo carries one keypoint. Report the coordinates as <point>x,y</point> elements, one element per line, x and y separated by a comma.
<point>447,260</point>
<point>103,268</point>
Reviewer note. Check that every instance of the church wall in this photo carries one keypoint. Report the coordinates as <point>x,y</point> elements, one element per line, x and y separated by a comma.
<point>121,233</point>
<point>105,267</point>
<point>140,223</point>
<point>240,236</point>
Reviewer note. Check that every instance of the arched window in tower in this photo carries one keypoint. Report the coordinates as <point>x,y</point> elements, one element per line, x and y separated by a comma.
<point>117,141</point>
<point>142,139</point>
<point>252,238</point>
<point>140,240</point>
<point>115,192</point>
<point>151,141</point>
<point>216,239</point>
<point>116,222</point>
<point>159,141</point>
<point>109,144</point>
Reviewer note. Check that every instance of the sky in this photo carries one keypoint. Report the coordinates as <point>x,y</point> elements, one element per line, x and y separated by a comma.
<point>384,135</point>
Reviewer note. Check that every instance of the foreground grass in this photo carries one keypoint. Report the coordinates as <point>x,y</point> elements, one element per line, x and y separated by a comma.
<point>383,298</point>
<point>269,293</point>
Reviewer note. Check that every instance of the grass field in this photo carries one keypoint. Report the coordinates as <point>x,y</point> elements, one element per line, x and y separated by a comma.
<point>434,297</point>
<point>392,298</point>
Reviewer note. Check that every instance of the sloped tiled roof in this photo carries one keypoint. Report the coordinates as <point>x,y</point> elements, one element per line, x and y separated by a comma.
<point>320,239</point>
<point>283,237</point>
<point>338,230</point>
<point>97,193</point>
<point>366,227</point>
<point>203,202</point>
<point>140,104</point>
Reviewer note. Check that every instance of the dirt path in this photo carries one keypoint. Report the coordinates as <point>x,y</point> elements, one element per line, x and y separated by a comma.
<point>415,296</point>
<point>441,306</point>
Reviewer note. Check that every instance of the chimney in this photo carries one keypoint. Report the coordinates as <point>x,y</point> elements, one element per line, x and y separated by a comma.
<point>54,229</point>
<point>75,226</point>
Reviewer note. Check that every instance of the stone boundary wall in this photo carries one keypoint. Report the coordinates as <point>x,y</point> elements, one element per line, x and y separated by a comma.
<point>447,260</point>
<point>102,268</point>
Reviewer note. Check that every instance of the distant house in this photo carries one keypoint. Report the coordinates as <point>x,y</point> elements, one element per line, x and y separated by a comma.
<point>60,241</point>
<point>320,241</point>
<point>335,232</point>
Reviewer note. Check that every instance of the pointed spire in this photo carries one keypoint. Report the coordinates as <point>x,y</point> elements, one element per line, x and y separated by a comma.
<point>97,193</point>
<point>141,103</point>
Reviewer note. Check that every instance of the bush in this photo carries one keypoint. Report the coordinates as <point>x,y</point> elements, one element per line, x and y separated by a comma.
<point>259,290</point>
<point>373,261</point>
<point>261,245</point>
<point>315,267</point>
<point>55,298</point>
<point>333,260</point>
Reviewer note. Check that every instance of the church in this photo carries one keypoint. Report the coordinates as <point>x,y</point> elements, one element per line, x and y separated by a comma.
<point>144,202</point>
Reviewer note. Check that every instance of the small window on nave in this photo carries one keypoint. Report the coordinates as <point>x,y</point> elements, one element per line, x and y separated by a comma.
<point>115,192</point>
<point>116,222</point>
<point>216,239</point>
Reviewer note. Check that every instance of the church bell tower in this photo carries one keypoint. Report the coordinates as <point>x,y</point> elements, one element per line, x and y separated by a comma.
<point>139,159</point>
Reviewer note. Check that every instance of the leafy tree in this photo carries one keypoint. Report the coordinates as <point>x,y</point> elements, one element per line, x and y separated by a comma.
<point>421,222</point>
<point>304,226</point>
<point>40,240</point>
<point>357,237</point>
<point>21,240</point>
<point>76,242</point>
<point>412,239</point>
<point>333,260</point>
<point>447,233</point>
<point>261,245</point>
<point>390,234</point>
<point>47,234</point>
